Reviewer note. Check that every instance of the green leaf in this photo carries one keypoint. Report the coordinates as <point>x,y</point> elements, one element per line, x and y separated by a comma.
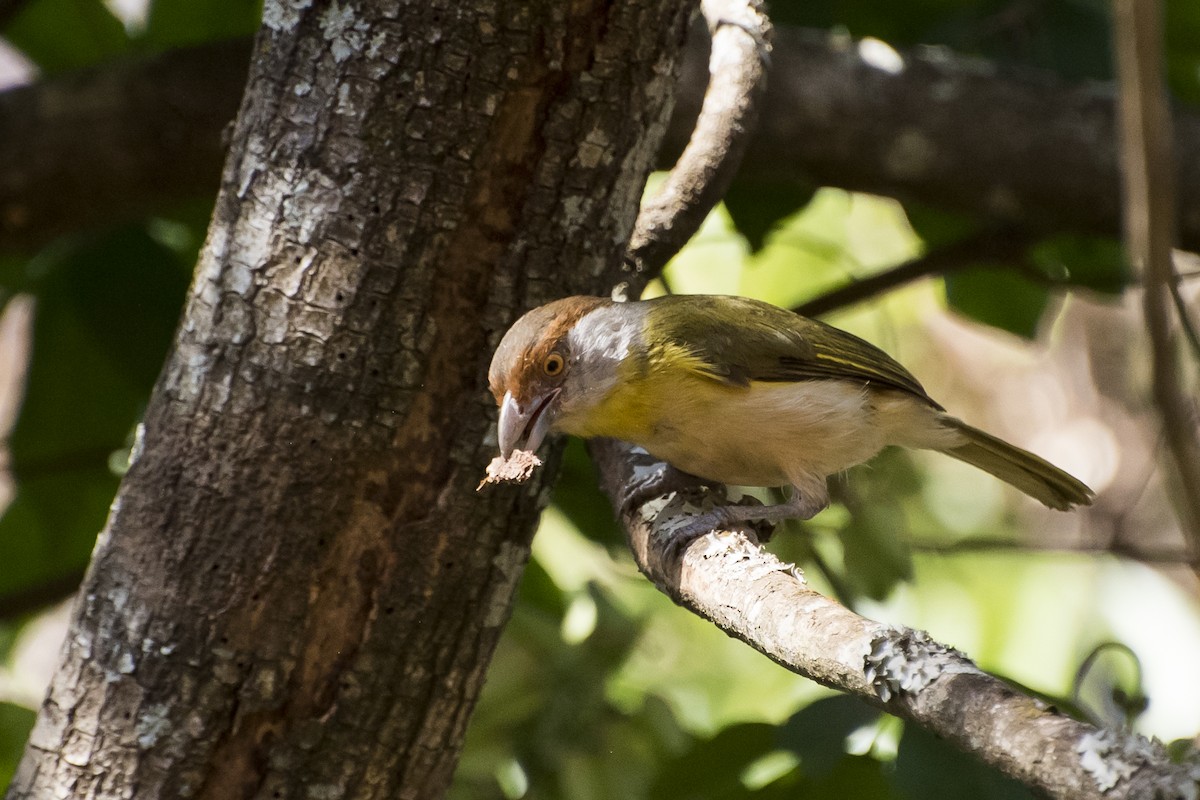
<point>817,733</point>
<point>577,495</point>
<point>928,767</point>
<point>61,35</point>
<point>1090,262</point>
<point>758,206</point>
<point>172,23</point>
<point>104,313</point>
<point>711,770</point>
<point>47,534</point>
<point>938,227</point>
<point>877,555</point>
<point>104,316</point>
<point>998,298</point>
<point>857,777</point>
<point>15,724</point>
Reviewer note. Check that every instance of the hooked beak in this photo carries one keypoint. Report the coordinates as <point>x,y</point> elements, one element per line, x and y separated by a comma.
<point>528,425</point>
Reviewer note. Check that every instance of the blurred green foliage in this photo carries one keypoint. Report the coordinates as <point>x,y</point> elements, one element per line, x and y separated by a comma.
<point>601,688</point>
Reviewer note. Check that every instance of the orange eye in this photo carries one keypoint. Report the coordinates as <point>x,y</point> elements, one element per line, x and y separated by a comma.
<point>553,365</point>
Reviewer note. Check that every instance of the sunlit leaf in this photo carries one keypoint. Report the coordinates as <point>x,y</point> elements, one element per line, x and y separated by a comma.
<point>15,723</point>
<point>60,35</point>
<point>758,206</point>
<point>183,22</point>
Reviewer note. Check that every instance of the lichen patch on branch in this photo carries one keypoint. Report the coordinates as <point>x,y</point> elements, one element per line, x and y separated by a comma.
<point>902,660</point>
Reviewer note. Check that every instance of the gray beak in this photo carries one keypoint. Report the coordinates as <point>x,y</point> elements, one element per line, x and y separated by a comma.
<point>524,427</point>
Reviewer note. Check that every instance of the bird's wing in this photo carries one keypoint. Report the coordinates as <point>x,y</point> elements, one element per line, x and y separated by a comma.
<point>736,340</point>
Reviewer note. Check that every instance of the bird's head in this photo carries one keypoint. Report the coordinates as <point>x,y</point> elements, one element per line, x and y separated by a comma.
<point>553,365</point>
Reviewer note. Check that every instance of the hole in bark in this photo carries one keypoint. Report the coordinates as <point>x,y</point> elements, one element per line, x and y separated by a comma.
<point>214,568</point>
<point>374,373</point>
<point>389,610</point>
<point>339,297</point>
<point>296,260</point>
<point>321,542</point>
<point>353,251</point>
<point>375,209</point>
<point>341,356</point>
<point>350,217</point>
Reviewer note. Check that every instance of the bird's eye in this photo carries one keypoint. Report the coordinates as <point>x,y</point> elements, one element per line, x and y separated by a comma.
<point>553,365</point>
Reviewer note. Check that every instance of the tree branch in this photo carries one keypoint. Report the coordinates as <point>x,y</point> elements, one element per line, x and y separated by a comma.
<point>1130,550</point>
<point>1002,244</point>
<point>728,579</point>
<point>739,49</point>
<point>116,142</point>
<point>1146,152</point>
<point>925,133</point>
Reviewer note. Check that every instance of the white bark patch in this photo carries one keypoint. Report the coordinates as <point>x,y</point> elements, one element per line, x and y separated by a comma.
<point>344,31</point>
<point>901,660</point>
<point>152,723</point>
<point>313,199</point>
<point>1110,757</point>
<point>282,15</point>
<point>272,319</point>
<point>287,274</point>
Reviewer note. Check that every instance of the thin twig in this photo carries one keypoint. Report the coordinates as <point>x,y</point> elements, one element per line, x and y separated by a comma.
<point>1002,244</point>
<point>741,36</point>
<point>1185,318</point>
<point>985,544</point>
<point>1147,157</point>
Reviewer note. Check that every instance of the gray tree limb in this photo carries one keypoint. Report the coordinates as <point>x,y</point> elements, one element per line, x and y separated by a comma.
<point>727,578</point>
<point>943,130</point>
<point>739,51</point>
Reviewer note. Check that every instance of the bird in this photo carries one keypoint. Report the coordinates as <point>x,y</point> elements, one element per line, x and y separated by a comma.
<point>735,391</point>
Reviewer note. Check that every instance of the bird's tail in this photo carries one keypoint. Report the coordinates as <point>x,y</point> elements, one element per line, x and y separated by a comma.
<point>1034,476</point>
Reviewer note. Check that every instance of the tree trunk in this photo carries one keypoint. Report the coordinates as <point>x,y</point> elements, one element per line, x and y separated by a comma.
<point>298,590</point>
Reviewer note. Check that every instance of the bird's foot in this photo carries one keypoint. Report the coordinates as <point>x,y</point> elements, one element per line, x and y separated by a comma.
<point>654,478</point>
<point>680,529</point>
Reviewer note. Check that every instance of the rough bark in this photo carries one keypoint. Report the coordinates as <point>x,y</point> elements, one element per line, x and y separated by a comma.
<point>298,589</point>
<point>927,132</point>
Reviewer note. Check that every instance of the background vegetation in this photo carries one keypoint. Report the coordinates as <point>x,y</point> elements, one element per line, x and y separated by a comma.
<point>602,688</point>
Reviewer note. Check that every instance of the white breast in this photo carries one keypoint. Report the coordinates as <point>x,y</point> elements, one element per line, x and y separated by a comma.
<point>776,434</point>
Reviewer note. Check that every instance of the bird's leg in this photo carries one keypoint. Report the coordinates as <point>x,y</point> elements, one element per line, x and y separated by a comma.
<point>804,503</point>
<point>654,479</point>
